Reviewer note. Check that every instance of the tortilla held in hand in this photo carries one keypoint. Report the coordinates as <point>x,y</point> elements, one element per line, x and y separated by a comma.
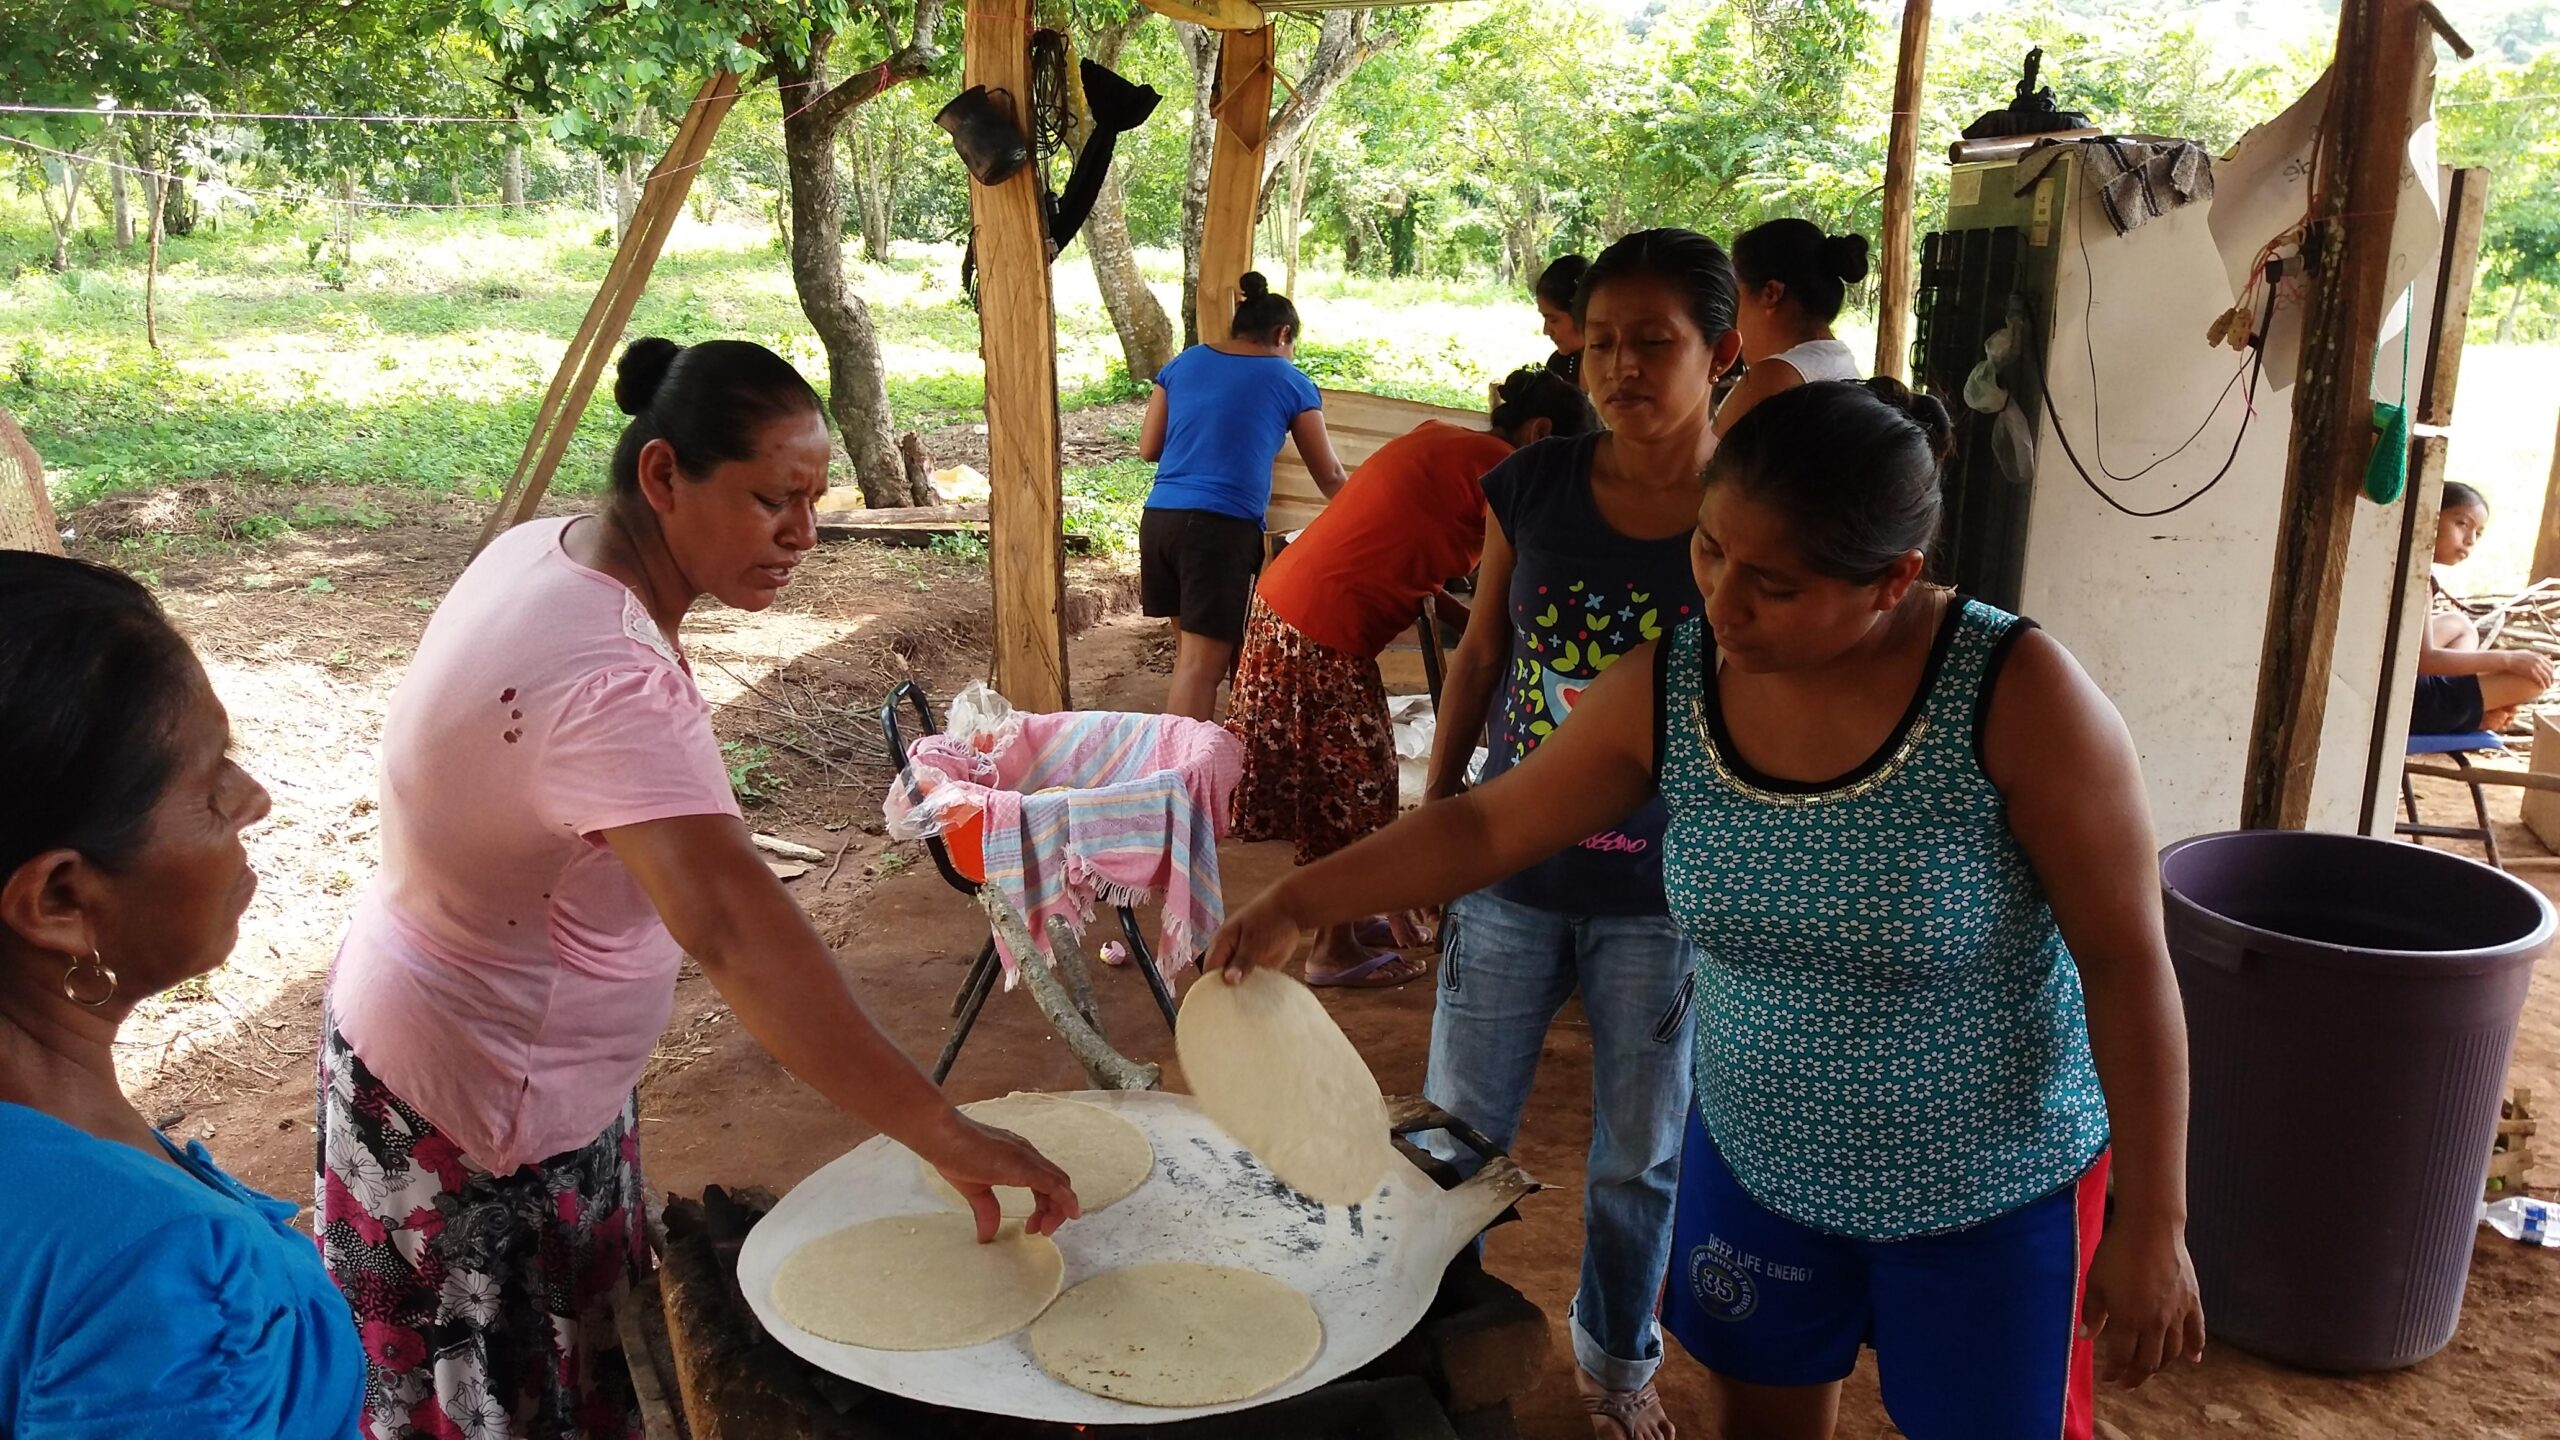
<point>1267,1063</point>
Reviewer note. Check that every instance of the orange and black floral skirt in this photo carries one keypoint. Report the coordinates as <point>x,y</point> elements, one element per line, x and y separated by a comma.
<point>1319,753</point>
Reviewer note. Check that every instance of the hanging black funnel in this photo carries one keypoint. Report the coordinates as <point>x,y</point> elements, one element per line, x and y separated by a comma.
<point>988,142</point>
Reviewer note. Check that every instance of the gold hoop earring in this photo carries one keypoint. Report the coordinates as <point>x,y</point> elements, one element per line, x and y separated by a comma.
<point>84,991</point>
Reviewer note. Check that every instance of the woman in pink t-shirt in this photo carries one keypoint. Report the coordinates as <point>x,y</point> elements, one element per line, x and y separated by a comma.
<point>558,831</point>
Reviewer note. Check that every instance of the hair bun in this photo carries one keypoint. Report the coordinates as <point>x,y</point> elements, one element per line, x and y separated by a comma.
<point>1925,411</point>
<point>643,369</point>
<point>1846,257</point>
<point>1252,285</point>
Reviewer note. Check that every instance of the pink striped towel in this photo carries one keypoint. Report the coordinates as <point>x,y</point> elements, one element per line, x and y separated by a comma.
<point>1089,808</point>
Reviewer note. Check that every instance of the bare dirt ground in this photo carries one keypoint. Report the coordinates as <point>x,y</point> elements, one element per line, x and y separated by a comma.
<point>308,669</point>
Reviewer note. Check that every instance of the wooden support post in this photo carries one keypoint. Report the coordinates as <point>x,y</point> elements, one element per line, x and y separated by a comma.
<point>1018,339</point>
<point>1901,163</point>
<point>2546,546</point>
<point>2363,146</point>
<point>1243,103</point>
<point>571,385</point>
<point>2466,201</point>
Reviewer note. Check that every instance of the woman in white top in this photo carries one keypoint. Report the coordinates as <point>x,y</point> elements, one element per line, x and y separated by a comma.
<point>1794,278</point>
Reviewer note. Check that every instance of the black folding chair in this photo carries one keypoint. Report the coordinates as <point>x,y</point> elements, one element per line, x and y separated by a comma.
<point>981,980</point>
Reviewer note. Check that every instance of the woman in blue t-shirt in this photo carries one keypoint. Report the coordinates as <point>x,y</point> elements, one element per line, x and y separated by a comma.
<point>1588,559</point>
<point>1215,422</point>
<point>146,1292</point>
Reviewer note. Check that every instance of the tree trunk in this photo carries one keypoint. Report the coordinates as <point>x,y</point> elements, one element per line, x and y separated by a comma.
<point>2507,317</point>
<point>68,220</point>
<point>511,176</point>
<point>151,275</point>
<point>1203,44</point>
<point>119,194</point>
<point>1297,213</point>
<point>1350,246</point>
<point>347,218</point>
<point>1343,44</point>
<point>1146,332</point>
<point>453,182</point>
<point>857,383</point>
<point>627,182</point>
<point>875,192</point>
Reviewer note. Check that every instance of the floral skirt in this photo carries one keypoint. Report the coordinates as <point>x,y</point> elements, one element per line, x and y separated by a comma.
<point>485,1302</point>
<point>1319,753</point>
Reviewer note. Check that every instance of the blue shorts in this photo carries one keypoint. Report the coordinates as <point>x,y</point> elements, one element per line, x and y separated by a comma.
<point>1975,1331</point>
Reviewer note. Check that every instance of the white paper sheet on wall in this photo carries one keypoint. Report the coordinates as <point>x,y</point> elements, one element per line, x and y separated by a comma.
<point>2263,189</point>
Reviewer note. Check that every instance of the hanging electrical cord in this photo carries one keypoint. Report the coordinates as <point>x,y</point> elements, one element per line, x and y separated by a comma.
<point>2097,389</point>
<point>2249,400</point>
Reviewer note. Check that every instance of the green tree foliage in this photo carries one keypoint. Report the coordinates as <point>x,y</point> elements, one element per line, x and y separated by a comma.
<point>2507,118</point>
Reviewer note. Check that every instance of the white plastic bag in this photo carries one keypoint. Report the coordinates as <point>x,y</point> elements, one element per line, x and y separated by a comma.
<point>975,712</point>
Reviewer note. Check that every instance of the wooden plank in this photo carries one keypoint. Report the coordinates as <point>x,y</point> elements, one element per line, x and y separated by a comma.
<point>2546,546</point>
<point>857,517</point>
<point>2362,148</point>
<point>2466,205</point>
<point>2484,775</point>
<point>1358,424</point>
<point>580,365</point>
<point>1901,164</point>
<point>1243,102</point>
<point>1018,339</point>
<point>2540,812</point>
<point>2457,265</point>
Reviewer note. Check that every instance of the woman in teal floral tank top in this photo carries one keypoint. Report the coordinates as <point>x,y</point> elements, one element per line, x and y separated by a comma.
<point>1909,839</point>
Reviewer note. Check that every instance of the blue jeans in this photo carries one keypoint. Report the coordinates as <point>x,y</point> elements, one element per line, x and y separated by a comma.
<point>1505,970</point>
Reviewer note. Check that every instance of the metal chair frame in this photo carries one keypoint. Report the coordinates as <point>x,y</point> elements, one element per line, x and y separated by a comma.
<point>981,979</point>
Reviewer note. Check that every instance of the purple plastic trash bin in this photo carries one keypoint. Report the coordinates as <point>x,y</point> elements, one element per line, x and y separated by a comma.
<point>2351,1004</point>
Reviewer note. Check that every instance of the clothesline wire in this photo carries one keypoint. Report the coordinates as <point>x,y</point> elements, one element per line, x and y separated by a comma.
<point>307,117</point>
<point>361,203</point>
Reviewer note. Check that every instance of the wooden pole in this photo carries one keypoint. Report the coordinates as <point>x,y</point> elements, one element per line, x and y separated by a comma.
<point>583,362</point>
<point>1018,339</point>
<point>2457,268</point>
<point>2362,148</point>
<point>2546,547</point>
<point>1243,104</point>
<point>1901,164</point>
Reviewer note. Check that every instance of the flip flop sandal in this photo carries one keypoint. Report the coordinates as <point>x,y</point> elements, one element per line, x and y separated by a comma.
<point>1358,976</point>
<point>1623,1408</point>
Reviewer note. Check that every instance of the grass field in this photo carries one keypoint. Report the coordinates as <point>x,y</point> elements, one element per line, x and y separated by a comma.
<point>421,364</point>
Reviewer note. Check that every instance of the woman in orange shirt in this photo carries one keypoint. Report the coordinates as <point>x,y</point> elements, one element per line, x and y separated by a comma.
<point>1320,759</point>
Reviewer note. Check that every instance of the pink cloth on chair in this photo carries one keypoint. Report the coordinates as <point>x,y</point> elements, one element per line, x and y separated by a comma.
<point>1096,807</point>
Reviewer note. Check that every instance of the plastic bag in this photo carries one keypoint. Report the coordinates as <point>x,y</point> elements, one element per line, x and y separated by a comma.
<point>922,799</point>
<point>977,713</point>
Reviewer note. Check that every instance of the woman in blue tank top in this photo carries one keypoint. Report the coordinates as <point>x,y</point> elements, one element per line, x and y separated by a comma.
<point>1909,839</point>
<point>1586,560</point>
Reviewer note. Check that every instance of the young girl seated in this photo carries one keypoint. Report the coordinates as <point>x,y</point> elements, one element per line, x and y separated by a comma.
<point>1320,758</point>
<point>1214,424</point>
<point>2461,687</point>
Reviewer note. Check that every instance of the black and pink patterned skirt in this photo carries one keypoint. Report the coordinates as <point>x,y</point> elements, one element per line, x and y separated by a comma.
<point>1319,751</point>
<point>485,1302</point>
